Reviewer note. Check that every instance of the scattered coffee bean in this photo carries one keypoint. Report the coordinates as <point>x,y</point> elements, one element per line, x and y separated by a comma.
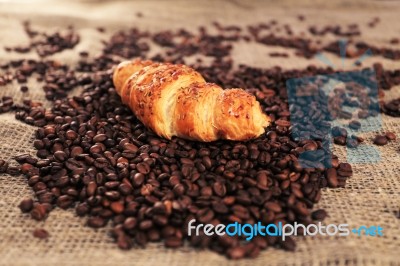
<point>26,205</point>
<point>390,136</point>
<point>356,125</point>
<point>40,233</point>
<point>380,140</point>
<point>352,143</point>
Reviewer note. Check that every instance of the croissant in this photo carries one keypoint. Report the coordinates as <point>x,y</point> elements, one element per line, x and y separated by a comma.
<point>175,100</point>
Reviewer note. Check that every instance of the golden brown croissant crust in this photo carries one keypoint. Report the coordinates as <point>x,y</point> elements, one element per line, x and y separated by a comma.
<point>175,100</point>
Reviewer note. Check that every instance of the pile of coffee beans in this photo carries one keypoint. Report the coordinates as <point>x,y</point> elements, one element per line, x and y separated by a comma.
<point>93,154</point>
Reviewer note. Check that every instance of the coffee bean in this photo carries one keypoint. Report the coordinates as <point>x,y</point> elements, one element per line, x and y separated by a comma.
<point>26,205</point>
<point>356,125</point>
<point>219,207</point>
<point>117,207</point>
<point>130,223</point>
<point>96,222</point>
<point>13,170</point>
<point>100,138</point>
<point>38,144</point>
<point>219,189</point>
<point>24,88</point>
<point>138,179</point>
<point>173,242</point>
<point>76,151</point>
<point>60,156</point>
<point>236,253</point>
<point>26,168</point>
<point>38,212</point>
<point>319,215</point>
<point>340,140</point>
<point>82,209</point>
<point>143,168</point>
<point>380,140</point>
<point>390,136</point>
<point>124,242</point>
<point>345,170</point>
<point>130,147</point>
<point>339,132</point>
<point>352,143</point>
<point>272,135</point>
<point>41,233</point>
<point>288,244</point>
<point>273,206</point>
<point>331,176</point>
<point>64,201</point>
<point>311,146</point>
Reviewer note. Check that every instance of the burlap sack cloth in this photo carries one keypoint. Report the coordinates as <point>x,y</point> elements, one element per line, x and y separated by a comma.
<point>371,196</point>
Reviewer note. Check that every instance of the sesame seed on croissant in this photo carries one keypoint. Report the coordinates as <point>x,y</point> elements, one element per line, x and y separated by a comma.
<point>175,100</point>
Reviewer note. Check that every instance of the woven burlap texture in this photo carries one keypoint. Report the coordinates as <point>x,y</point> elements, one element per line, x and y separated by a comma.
<point>371,196</point>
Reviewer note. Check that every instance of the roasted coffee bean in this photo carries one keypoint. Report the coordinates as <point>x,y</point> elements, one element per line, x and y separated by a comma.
<point>39,212</point>
<point>130,223</point>
<point>24,88</point>
<point>76,151</point>
<point>380,140</point>
<point>288,244</point>
<point>345,170</point>
<point>236,253</point>
<point>138,179</point>
<point>124,242</point>
<point>340,140</point>
<point>143,168</point>
<point>3,166</point>
<point>38,144</point>
<point>26,205</point>
<point>64,201</point>
<point>319,215</point>
<point>96,222</point>
<point>339,132</point>
<point>100,138</point>
<point>117,207</point>
<point>13,170</point>
<point>272,135</point>
<point>130,147</point>
<point>173,242</point>
<point>356,125</point>
<point>21,158</point>
<point>60,156</point>
<point>41,233</point>
<point>352,143</point>
<point>331,176</point>
<point>273,206</point>
<point>26,168</point>
<point>219,189</point>
<point>82,209</point>
<point>390,136</point>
